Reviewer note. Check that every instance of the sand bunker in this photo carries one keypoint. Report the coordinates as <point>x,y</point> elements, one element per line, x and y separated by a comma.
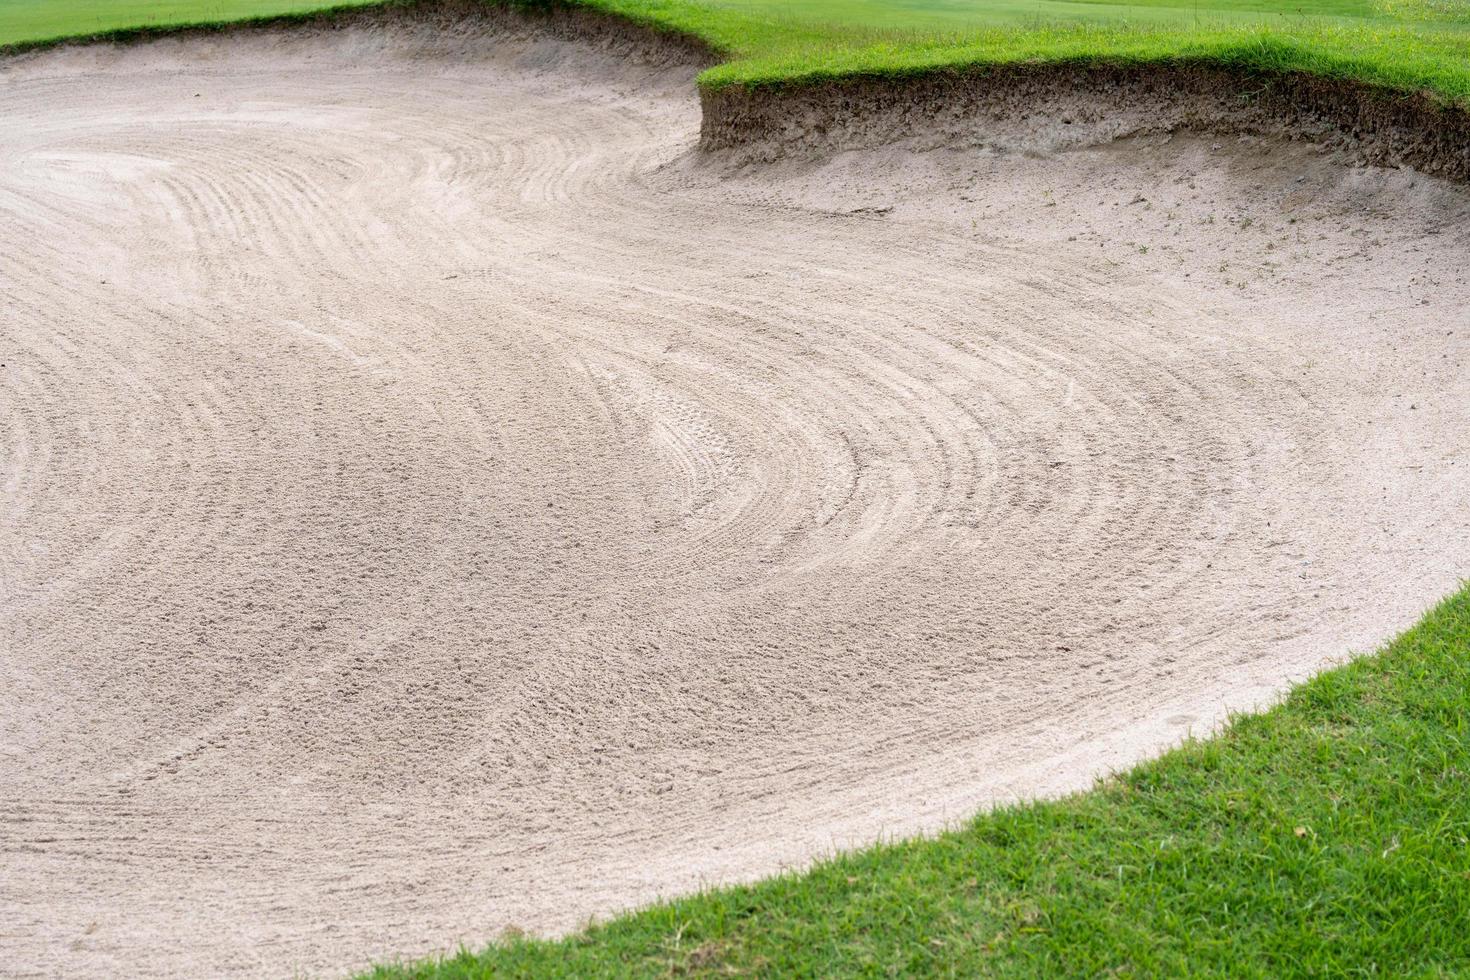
<point>438,499</point>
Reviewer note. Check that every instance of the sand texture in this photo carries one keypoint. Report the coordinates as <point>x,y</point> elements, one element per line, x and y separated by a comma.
<point>436,497</point>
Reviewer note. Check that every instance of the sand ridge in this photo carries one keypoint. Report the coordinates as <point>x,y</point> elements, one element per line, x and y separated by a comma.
<point>437,498</point>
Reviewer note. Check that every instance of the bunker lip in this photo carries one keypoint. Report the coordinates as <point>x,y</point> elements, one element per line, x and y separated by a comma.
<point>561,20</point>
<point>1040,107</point>
<point>1051,107</point>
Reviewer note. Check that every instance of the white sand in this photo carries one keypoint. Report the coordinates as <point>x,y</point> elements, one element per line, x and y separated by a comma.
<point>433,499</point>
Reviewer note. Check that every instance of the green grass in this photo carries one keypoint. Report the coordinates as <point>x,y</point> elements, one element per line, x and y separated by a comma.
<point>770,43</point>
<point>25,22</point>
<point>1327,837</point>
<point>1403,45</point>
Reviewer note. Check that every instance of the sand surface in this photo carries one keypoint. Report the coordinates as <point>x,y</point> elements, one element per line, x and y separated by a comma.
<point>434,498</point>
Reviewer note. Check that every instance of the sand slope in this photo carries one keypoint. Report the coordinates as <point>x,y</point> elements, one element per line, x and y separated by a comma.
<point>433,499</point>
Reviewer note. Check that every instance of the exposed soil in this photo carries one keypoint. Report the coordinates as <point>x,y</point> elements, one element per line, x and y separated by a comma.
<point>1048,108</point>
<point>437,497</point>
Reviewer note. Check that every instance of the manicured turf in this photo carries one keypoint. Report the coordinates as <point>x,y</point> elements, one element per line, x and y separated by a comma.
<point>24,21</point>
<point>1327,837</point>
<point>31,20</point>
<point>775,43</point>
<point>1407,45</point>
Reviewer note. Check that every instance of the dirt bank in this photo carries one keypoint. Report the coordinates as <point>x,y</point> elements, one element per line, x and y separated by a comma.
<point>436,498</point>
<point>561,21</point>
<point>1047,108</point>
